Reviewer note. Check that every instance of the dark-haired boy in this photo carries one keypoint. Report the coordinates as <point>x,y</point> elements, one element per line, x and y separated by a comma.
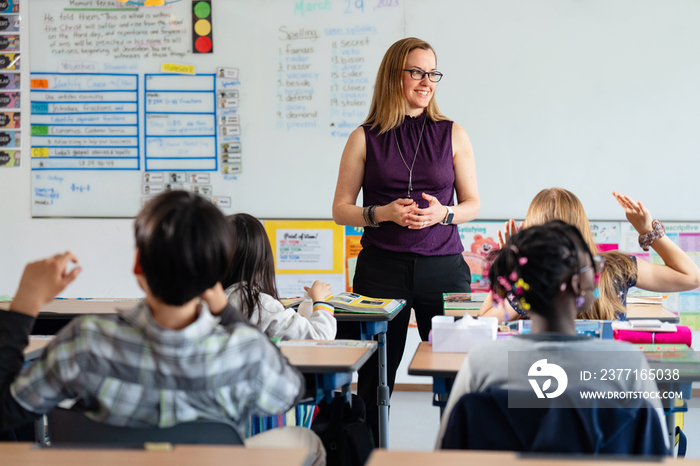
<point>169,360</point>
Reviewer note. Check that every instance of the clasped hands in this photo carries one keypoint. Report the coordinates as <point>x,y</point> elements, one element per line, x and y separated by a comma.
<point>405,212</point>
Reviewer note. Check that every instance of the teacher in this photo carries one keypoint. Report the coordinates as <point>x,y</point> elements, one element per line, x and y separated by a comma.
<point>409,160</point>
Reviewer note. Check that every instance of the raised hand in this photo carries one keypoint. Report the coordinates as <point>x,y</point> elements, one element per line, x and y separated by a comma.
<point>636,213</point>
<point>510,230</point>
<point>42,281</point>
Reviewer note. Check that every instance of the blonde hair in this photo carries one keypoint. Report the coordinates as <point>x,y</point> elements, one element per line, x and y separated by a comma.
<point>560,204</point>
<point>388,106</point>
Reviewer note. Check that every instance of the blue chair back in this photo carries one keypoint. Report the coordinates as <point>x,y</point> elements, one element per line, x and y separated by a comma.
<point>483,421</point>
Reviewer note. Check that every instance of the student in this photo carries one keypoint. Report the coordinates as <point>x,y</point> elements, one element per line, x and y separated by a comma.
<point>250,288</point>
<point>554,275</point>
<point>677,273</point>
<point>169,360</point>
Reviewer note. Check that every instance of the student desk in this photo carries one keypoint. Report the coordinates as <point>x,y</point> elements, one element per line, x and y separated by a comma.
<point>56,314</point>
<point>332,363</point>
<point>182,455</point>
<point>372,325</point>
<point>634,312</point>
<point>443,368</point>
<point>502,458</point>
<point>651,311</point>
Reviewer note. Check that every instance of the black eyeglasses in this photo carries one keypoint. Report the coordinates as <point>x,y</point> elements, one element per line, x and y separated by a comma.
<point>433,76</point>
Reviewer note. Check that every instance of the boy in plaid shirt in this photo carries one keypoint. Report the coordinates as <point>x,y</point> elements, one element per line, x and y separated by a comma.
<point>169,360</point>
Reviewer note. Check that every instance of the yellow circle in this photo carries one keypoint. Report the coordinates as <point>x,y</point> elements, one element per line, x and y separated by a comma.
<point>202,27</point>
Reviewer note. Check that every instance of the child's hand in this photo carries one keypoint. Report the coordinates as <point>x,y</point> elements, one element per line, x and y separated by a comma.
<point>42,281</point>
<point>215,298</point>
<point>636,213</point>
<point>510,231</point>
<point>318,291</point>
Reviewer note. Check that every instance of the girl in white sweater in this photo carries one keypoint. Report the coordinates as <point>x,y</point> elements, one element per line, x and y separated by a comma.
<point>250,288</point>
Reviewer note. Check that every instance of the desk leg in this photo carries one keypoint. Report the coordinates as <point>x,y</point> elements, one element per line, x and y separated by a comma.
<point>383,399</point>
<point>441,392</point>
<point>367,331</point>
<point>670,408</point>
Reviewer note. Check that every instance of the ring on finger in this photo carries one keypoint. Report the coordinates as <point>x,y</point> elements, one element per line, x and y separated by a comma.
<point>423,223</point>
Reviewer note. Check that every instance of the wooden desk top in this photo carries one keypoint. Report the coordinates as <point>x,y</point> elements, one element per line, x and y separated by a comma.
<point>309,356</point>
<point>68,307</point>
<point>651,311</point>
<point>381,457</point>
<point>313,357</point>
<point>428,363</point>
<point>62,308</point>
<point>182,455</point>
<point>425,362</point>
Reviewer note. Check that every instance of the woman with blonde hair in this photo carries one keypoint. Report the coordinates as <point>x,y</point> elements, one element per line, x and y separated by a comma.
<point>622,271</point>
<point>409,160</point>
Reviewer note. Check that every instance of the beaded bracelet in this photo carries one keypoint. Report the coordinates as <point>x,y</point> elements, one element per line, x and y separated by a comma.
<point>368,216</point>
<point>649,237</point>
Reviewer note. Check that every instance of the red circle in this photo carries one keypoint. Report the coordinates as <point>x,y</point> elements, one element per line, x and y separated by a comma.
<point>203,44</point>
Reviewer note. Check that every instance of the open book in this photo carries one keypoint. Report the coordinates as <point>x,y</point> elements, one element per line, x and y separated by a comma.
<point>356,303</point>
<point>353,302</point>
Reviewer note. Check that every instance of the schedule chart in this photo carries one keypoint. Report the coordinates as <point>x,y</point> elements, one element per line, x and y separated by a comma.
<point>180,123</point>
<point>83,121</point>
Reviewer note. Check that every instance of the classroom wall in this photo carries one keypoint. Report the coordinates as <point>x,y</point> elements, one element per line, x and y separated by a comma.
<point>538,91</point>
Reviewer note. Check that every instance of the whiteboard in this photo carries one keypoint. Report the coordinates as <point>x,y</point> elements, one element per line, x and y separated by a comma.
<point>591,96</point>
<point>259,128</point>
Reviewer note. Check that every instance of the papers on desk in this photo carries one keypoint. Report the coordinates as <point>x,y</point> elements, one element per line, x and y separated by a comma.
<point>645,325</point>
<point>466,301</point>
<point>335,343</point>
<point>639,296</point>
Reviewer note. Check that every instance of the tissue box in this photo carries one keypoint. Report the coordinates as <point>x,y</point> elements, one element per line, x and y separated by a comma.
<point>461,336</point>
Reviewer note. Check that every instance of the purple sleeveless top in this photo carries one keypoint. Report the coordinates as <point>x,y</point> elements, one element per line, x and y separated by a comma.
<point>386,179</point>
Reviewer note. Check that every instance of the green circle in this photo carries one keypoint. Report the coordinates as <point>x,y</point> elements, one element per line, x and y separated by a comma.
<point>202,9</point>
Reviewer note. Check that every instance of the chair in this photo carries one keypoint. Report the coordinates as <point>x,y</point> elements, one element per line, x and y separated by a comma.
<point>73,427</point>
<point>483,421</point>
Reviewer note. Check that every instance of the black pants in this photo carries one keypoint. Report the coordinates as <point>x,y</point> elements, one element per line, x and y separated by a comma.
<point>420,280</point>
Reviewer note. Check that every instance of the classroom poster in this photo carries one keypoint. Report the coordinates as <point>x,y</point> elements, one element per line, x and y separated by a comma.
<point>687,236</point>
<point>353,235</point>
<point>10,141</point>
<point>479,239</point>
<point>229,122</point>
<point>606,235</point>
<point>306,246</point>
<point>10,158</point>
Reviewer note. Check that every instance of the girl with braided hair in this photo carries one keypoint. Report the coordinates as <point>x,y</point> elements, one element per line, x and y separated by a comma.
<point>550,271</point>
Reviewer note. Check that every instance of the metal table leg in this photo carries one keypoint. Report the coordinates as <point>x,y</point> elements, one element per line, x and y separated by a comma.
<point>369,330</point>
